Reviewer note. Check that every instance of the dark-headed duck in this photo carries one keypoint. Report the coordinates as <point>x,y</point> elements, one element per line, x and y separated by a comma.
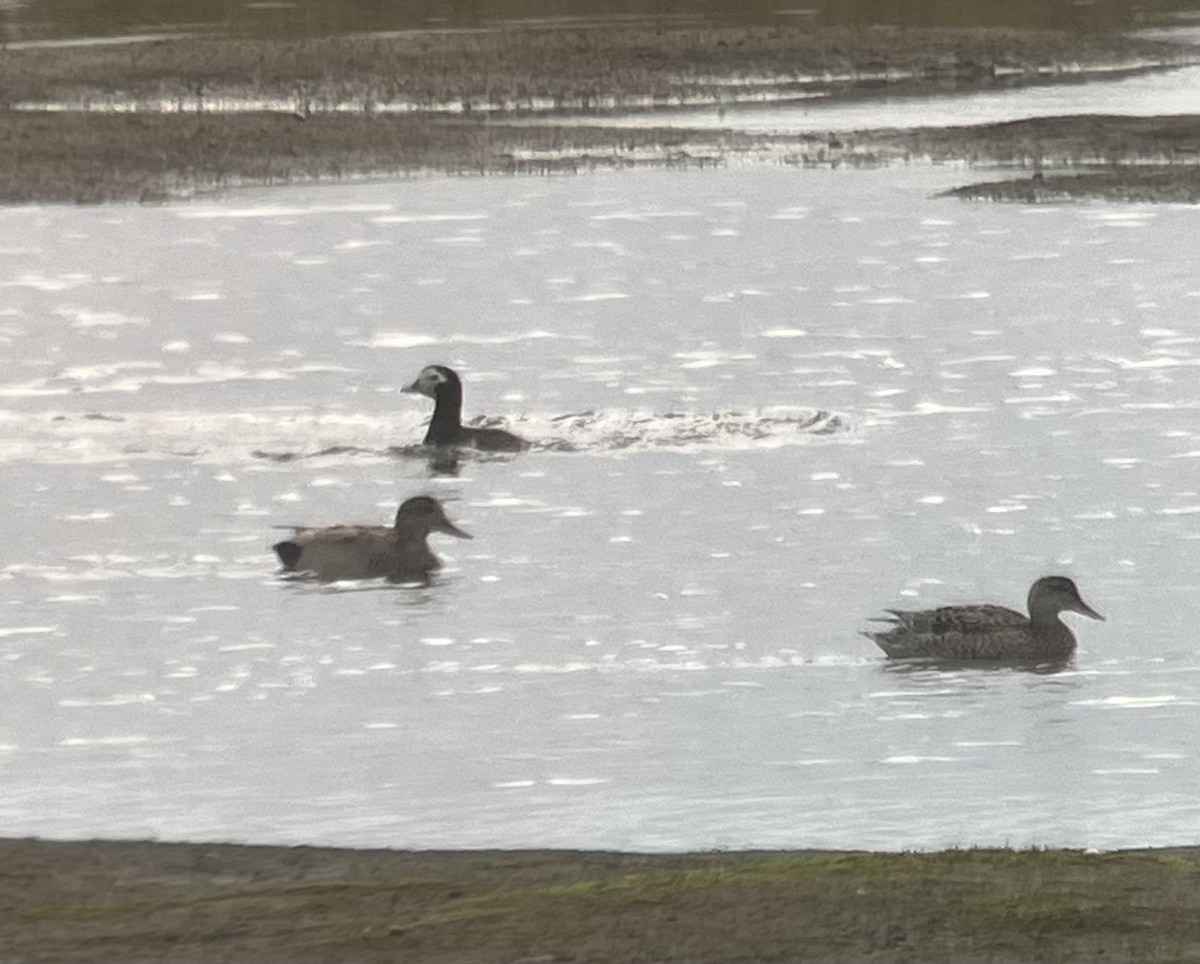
<point>443,385</point>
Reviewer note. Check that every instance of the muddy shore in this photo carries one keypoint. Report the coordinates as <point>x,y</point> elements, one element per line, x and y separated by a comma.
<point>159,903</point>
<point>156,121</point>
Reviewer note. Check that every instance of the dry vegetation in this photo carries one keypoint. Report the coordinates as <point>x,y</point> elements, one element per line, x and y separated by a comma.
<point>1151,159</point>
<point>152,157</point>
<point>1150,185</point>
<point>466,92</point>
<point>571,67</point>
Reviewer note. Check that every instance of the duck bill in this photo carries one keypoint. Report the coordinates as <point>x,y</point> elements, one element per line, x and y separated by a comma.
<point>1085,610</point>
<point>413,389</point>
<point>451,529</point>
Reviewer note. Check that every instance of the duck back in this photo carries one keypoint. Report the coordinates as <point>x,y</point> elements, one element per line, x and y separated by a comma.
<point>339,552</point>
<point>492,440</point>
<point>973,633</point>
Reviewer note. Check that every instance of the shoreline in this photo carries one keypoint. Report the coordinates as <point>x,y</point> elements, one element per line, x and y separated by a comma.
<point>155,129</point>
<point>143,902</point>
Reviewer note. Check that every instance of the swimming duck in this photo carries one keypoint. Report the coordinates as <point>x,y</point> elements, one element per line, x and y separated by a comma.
<point>443,385</point>
<point>986,632</point>
<point>399,553</point>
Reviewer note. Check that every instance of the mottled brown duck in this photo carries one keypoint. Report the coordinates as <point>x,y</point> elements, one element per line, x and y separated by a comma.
<point>399,553</point>
<point>443,385</point>
<point>987,632</point>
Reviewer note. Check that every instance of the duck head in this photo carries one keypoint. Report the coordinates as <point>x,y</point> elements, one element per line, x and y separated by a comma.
<point>433,380</point>
<point>424,514</point>
<point>1052,595</point>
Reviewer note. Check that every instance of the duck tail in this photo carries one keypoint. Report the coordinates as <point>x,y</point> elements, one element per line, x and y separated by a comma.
<point>288,552</point>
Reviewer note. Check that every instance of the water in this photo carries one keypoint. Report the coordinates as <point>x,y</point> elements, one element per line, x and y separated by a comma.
<point>1153,94</point>
<point>885,398</point>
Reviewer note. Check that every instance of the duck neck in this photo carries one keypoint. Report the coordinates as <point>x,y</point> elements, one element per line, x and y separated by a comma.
<point>408,532</point>
<point>446,423</point>
<point>1045,617</point>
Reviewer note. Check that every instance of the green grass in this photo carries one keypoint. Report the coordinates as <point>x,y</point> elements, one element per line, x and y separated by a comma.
<point>182,903</point>
<point>952,906</point>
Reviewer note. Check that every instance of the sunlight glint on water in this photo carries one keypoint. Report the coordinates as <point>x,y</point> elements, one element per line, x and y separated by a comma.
<point>765,404</point>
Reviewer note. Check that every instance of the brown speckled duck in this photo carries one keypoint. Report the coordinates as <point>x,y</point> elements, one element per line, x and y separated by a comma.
<point>989,633</point>
<point>443,385</point>
<point>398,553</point>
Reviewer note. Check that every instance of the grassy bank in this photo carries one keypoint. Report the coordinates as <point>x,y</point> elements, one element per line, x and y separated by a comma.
<point>1150,159</point>
<point>94,157</point>
<point>149,902</point>
<point>594,67</point>
<point>336,105</point>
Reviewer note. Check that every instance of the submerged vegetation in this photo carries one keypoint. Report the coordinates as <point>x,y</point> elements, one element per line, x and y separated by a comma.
<point>147,902</point>
<point>162,119</point>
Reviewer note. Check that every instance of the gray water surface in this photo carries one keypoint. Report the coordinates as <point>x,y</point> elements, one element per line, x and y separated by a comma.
<point>1162,92</point>
<point>880,398</point>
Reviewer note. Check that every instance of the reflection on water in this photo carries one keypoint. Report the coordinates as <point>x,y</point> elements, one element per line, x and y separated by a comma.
<point>34,19</point>
<point>1174,91</point>
<point>652,641</point>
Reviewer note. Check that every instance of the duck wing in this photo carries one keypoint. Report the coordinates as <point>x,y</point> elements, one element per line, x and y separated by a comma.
<point>339,552</point>
<point>966,620</point>
<point>493,440</point>
<point>954,633</point>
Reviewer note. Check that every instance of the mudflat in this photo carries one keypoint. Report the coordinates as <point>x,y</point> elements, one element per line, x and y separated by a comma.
<point>173,903</point>
<point>154,121</point>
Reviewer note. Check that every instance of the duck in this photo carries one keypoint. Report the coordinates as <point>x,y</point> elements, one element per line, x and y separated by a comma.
<point>987,632</point>
<point>443,385</point>
<point>398,553</point>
